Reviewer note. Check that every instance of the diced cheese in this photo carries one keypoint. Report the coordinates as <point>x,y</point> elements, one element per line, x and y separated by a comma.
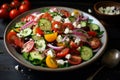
<point>56,26</point>
<point>67,30</point>
<point>57,18</point>
<point>66,20</point>
<point>51,53</point>
<point>60,61</point>
<point>68,56</point>
<point>77,41</point>
<point>75,24</point>
<point>59,38</point>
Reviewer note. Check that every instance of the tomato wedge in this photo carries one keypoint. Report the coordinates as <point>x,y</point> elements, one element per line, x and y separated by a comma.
<point>65,13</point>
<point>12,38</point>
<point>73,45</point>
<point>51,62</point>
<point>57,26</point>
<point>68,25</point>
<point>63,53</point>
<point>28,46</point>
<point>47,16</point>
<point>75,60</point>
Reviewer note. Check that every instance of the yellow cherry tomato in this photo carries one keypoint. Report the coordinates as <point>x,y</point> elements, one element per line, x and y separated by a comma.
<point>61,44</point>
<point>51,37</point>
<point>76,13</point>
<point>51,62</point>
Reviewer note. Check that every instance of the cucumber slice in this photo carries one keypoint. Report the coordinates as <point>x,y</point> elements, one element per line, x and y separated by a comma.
<point>26,32</point>
<point>45,24</point>
<point>19,24</point>
<point>83,23</point>
<point>94,27</point>
<point>25,55</point>
<point>40,44</point>
<point>86,53</point>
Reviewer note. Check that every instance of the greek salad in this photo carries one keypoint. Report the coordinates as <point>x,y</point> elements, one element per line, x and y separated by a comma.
<point>56,38</point>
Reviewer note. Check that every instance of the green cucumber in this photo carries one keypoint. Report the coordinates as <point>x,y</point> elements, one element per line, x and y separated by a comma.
<point>45,24</point>
<point>26,32</point>
<point>86,53</point>
<point>25,55</point>
<point>40,44</point>
<point>19,24</point>
<point>94,27</point>
<point>83,23</point>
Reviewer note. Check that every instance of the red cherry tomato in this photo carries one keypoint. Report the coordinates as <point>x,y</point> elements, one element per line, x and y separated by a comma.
<point>57,26</point>
<point>47,16</point>
<point>63,53</point>
<point>4,14</point>
<point>73,45</point>
<point>14,13</point>
<point>69,25</point>
<point>15,4</point>
<point>12,38</point>
<point>92,33</point>
<point>28,46</point>
<point>65,13</point>
<point>5,6</point>
<point>95,43</point>
<point>25,6</point>
<point>75,60</point>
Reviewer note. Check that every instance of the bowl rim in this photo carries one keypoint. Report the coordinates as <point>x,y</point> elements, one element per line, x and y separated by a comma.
<point>101,2</point>
<point>58,69</point>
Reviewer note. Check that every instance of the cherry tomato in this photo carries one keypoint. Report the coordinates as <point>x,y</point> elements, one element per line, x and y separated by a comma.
<point>28,18</point>
<point>68,25</point>
<point>5,6</point>
<point>38,31</point>
<point>92,33</point>
<point>75,60</point>
<point>12,38</point>
<point>65,13</point>
<point>4,14</point>
<point>47,16</point>
<point>74,52</point>
<point>25,6</point>
<point>14,13</point>
<point>73,45</point>
<point>57,27</point>
<point>15,4</point>
<point>95,43</point>
<point>63,53</point>
<point>28,46</point>
<point>51,62</point>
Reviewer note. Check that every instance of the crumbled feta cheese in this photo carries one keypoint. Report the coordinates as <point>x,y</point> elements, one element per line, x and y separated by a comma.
<point>17,67</point>
<point>38,35</point>
<point>57,18</point>
<point>79,26</point>
<point>75,24</point>
<point>67,39</point>
<point>68,56</point>
<point>78,48</point>
<point>59,38</point>
<point>60,61</point>
<point>66,20</point>
<point>66,30</point>
<point>72,14</point>
<point>77,41</point>
<point>18,34</point>
<point>89,10</point>
<point>56,26</point>
<point>66,61</point>
<point>51,53</point>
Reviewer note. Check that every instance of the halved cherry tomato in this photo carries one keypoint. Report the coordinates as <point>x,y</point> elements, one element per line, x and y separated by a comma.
<point>37,30</point>
<point>51,37</point>
<point>47,16</point>
<point>28,46</point>
<point>57,26</point>
<point>28,18</point>
<point>92,33</point>
<point>12,38</point>
<point>95,43</point>
<point>51,62</point>
<point>65,13</point>
<point>73,45</point>
<point>74,52</point>
<point>63,53</point>
<point>75,60</point>
<point>68,25</point>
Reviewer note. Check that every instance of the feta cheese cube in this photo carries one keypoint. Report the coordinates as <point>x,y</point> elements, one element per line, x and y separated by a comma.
<point>60,62</point>
<point>51,53</point>
<point>57,18</point>
<point>66,20</point>
<point>68,56</point>
<point>59,38</point>
<point>66,30</point>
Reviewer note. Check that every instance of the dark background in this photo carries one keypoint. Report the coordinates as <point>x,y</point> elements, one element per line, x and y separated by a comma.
<point>8,64</point>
